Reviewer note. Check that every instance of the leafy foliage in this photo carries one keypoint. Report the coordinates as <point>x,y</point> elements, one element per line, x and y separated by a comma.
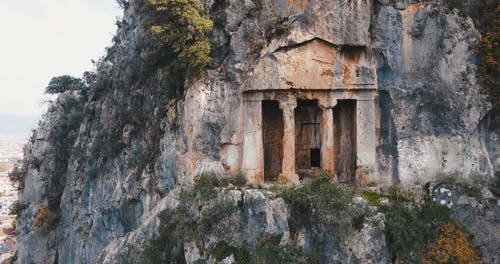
<point>17,173</point>
<point>195,216</point>
<point>179,31</point>
<point>488,49</point>
<point>494,186</point>
<point>271,252</point>
<point>322,195</point>
<point>17,207</point>
<point>414,233</point>
<point>450,246</point>
<point>64,83</point>
<point>45,219</point>
<point>486,15</point>
<point>223,250</point>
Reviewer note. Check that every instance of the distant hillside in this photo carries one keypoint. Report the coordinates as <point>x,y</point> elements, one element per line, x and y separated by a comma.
<point>16,125</point>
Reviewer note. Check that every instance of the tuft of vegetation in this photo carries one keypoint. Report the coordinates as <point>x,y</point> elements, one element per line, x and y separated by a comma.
<point>197,214</point>
<point>222,250</point>
<point>412,232</point>
<point>239,180</point>
<point>45,219</point>
<point>372,197</point>
<point>322,195</point>
<point>486,16</point>
<point>281,27</point>
<point>494,185</point>
<point>450,246</point>
<point>17,174</point>
<point>269,252</point>
<point>204,188</point>
<point>487,20</point>
<point>64,83</point>
<point>17,207</point>
<point>179,33</point>
<point>206,184</point>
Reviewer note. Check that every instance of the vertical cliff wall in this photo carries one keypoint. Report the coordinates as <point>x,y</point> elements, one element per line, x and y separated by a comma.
<point>105,160</point>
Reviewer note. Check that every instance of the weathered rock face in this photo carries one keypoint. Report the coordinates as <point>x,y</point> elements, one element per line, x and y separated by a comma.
<point>480,212</point>
<point>107,174</point>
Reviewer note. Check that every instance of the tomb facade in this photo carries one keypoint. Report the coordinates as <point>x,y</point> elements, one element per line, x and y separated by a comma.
<point>313,111</point>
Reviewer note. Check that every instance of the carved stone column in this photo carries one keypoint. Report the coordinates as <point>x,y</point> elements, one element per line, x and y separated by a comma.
<point>327,137</point>
<point>288,166</point>
<point>253,157</point>
<point>366,141</point>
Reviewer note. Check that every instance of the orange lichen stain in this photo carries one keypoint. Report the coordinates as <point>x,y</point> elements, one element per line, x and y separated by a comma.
<point>297,5</point>
<point>327,73</point>
<point>346,77</point>
<point>414,7</point>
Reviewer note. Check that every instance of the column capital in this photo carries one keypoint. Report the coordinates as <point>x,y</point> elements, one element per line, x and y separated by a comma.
<point>289,104</point>
<point>327,103</point>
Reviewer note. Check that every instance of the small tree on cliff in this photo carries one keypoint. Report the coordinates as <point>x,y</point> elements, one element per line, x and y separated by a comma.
<point>64,83</point>
<point>179,33</point>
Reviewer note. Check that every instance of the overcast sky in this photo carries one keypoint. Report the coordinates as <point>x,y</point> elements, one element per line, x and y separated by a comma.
<point>41,39</point>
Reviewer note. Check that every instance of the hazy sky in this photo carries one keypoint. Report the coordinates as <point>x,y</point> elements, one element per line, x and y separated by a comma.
<point>41,39</point>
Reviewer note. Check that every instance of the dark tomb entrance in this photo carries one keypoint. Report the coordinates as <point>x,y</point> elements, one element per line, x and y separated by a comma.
<point>315,157</point>
<point>272,137</point>
<point>344,119</point>
<point>308,136</point>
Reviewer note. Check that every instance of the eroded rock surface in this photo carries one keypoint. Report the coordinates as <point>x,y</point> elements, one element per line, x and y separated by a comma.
<point>115,157</point>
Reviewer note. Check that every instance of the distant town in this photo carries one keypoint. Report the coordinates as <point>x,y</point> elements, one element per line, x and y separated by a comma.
<point>11,152</point>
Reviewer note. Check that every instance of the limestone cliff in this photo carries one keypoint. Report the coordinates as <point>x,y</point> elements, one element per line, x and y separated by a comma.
<point>106,160</point>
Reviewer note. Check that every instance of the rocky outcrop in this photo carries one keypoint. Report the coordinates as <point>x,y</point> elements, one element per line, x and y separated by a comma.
<point>478,209</point>
<point>256,217</point>
<point>106,161</point>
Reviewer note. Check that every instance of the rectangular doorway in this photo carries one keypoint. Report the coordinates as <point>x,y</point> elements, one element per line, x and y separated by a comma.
<point>307,135</point>
<point>344,119</point>
<point>272,137</point>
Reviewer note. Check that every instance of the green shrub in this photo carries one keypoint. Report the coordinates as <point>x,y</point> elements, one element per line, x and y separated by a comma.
<point>411,231</point>
<point>372,197</point>
<point>487,20</point>
<point>179,33</point>
<point>195,217</point>
<point>450,246</point>
<point>17,207</point>
<point>17,174</point>
<point>271,252</point>
<point>494,185</point>
<point>281,27</point>
<point>322,194</point>
<point>204,188</point>
<point>486,16</point>
<point>223,250</point>
<point>64,83</point>
<point>239,180</point>
<point>403,231</point>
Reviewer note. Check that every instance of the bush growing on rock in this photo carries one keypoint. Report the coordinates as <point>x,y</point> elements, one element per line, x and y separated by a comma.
<point>64,83</point>
<point>450,246</point>
<point>321,197</point>
<point>178,31</point>
<point>425,234</point>
<point>45,219</point>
